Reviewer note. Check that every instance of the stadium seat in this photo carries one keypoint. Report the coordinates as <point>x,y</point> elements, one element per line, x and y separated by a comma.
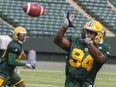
<point>47,24</point>
<point>100,10</point>
<point>4,29</point>
<point>113,2</point>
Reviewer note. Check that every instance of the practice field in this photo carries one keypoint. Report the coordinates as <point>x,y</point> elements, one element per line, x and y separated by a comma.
<point>54,76</point>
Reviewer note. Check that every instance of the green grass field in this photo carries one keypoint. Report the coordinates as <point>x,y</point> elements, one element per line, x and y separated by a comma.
<point>55,78</point>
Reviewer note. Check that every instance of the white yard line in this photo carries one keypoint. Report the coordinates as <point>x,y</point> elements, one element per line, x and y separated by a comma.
<point>41,85</point>
<point>39,70</point>
<point>106,79</point>
<point>107,73</point>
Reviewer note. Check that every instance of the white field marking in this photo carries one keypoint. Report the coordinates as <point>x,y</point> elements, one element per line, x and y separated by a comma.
<point>105,79</point>
<point>40,85</point>
<point>40,70</point>
<point>107,73</point>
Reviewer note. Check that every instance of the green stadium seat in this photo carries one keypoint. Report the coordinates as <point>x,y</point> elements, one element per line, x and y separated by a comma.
<point>100,10</point>
<point>47,24</point>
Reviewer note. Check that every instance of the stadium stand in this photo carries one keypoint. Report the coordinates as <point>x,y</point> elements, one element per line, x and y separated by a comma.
<point>113,2</point>
<point>4,29</point>
<point>45,25</point>
<point>101,11</point>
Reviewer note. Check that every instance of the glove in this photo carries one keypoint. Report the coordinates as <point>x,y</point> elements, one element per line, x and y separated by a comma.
<point>33,65</point>
<point>68,20</point>
<point>87,41</point>
<point>30,66</point>
<point>83,34</point>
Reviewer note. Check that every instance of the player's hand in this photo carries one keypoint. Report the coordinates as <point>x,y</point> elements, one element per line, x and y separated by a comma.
<point>30,66</point>
<point>68,20</point>
<point>87,40</point>
<point>33,65</point>
<point>83,34</point>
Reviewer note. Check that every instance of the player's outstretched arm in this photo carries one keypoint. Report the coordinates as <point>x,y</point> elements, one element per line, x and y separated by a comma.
<point>59,38</point>
<point>12,61</point>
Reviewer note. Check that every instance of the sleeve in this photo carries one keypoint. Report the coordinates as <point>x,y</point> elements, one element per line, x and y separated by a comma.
<point>68,38</point>
<point>72,38</point>
<point>106,51</point>
<point>12,57</point>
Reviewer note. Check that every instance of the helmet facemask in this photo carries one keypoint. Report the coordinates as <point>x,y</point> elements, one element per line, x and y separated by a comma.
<point>22,38</point>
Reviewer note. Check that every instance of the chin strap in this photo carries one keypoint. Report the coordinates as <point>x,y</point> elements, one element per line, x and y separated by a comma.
<point>20,42</point>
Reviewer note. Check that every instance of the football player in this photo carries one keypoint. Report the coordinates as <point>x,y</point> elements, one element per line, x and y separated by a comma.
<point>11,58</point>
<point>86,54</point>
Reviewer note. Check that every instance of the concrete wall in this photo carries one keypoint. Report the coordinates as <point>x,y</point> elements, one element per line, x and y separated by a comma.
<point>47,50</point>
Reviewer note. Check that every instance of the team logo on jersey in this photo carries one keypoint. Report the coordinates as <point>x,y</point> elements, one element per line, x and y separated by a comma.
<point>100,47</point>
<point>16,50</point>
<point>90,86</point>
<point>108,52</point>
<point>86,49</point>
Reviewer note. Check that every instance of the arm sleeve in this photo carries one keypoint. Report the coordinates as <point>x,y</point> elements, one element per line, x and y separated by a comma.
<point>106,51</point>
<point>12,55</point>
<point>12,60</point>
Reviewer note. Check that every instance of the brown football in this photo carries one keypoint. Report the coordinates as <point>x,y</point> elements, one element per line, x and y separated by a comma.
<point>33,9</point>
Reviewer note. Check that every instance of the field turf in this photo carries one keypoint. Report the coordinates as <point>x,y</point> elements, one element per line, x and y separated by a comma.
<point>55,78</point>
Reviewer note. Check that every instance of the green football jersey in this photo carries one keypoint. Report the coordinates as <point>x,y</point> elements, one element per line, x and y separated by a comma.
<point>80,64</point>
<point>11,58</point>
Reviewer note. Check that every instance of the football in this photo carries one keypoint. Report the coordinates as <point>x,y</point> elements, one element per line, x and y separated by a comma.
<point>33,9</point>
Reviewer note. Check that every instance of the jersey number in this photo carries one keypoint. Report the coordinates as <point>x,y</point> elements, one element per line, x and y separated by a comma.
<point>77,59</point>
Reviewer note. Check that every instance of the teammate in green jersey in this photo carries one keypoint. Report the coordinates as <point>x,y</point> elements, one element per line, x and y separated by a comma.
<point>86,54</point>
<point>11,58</point>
